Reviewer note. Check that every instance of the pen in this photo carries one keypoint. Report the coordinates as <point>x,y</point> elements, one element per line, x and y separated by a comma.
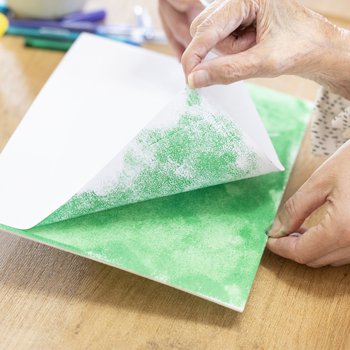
<point>38,23</point>
<point>63,34</point>
<point>143,31</point>
<point>56,45</point>
<point>93,16</point>
<point>45,33</point>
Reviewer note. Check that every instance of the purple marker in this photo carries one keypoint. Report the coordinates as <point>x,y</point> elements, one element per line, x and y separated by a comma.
<point>34,23</point>
<point>39,23</point>
<point>93,16</point>
<point>84,20</point>
<point>79,21</point>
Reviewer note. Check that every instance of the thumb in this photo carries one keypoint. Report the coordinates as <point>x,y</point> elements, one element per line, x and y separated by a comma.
<point>229,69</point>
<point>296,210</point>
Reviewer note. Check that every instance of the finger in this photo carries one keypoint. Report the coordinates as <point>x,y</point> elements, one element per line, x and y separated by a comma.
<point>181,5</point>
<point>229,69</point>
<point>339,255</point>
<point>307,199</point>
<point>213,25</point>
<point>174,43</point>
<point>233,44</point>
<point>315,243</point>
<point>177,47</point>
<point>176,22</point>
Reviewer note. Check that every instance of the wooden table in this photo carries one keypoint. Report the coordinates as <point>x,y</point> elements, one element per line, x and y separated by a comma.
<point>54,300</point>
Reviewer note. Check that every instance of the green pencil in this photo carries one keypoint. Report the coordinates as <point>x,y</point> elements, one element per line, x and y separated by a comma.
<point>49,44</point>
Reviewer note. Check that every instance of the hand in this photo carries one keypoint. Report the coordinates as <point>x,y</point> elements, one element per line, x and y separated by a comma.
<point>329,242</point>
<point>266,38</point>
<point>177,16</point>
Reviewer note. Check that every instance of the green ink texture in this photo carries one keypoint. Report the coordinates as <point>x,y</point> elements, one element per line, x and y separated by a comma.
<point>208,242</point>
<point>202,149</point>
<point>193,99</point>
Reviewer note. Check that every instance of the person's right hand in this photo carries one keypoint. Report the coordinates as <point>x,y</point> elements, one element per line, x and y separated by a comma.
<point>266,38</point>
<point>177,16</point>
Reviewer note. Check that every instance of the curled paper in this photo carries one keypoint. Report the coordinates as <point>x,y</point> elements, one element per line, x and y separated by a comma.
<point>72,156</point>
<point>189,145</point>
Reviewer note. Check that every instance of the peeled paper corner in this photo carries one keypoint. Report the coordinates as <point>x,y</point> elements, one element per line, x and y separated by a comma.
<point>189,145</point>
<point>125,135</point>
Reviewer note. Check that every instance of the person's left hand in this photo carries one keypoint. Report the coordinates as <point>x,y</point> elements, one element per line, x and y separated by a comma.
<point>177,16</point>
<point>328,243</point>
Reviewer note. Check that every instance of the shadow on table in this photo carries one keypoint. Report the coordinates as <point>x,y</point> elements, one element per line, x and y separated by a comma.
<point>326,282</point>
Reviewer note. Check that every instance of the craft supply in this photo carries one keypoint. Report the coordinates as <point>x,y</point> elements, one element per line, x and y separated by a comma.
<point>3,24</point>
<point>132,33</point>
<point>79,22</point>
<point>92,16</point>
<point>207,242</point>
<point>45,33</point>
<point>82,26</point>
<point>69,25</point>
<point>61,34</point>
<point>55,45</point>
<point>4,9</point>
<point>129,81</point>
<point>40,23</point>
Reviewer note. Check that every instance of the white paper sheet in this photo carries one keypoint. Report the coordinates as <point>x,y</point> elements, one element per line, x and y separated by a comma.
<point>101,96</point>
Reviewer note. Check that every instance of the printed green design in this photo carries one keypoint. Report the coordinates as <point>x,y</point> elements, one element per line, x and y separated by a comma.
<point>193,98</point>
<point>208,242</point>
<point>201,150</point>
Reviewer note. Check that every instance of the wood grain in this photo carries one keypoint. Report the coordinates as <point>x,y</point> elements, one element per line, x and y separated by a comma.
<point>54,300</point>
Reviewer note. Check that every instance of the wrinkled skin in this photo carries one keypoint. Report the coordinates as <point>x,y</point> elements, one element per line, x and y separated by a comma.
<point>268,38</point>
<point>328,243</point>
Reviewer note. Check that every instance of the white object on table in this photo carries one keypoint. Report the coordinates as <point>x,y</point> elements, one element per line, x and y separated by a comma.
<point>45,8</point>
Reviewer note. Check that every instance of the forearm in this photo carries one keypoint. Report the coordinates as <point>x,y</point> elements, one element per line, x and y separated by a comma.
<point>337,71</point>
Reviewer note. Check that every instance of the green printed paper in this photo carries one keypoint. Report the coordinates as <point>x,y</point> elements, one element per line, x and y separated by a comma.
<point>190,145</point>
<point>208,241</point>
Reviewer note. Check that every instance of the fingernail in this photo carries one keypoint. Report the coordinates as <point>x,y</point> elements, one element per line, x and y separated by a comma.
<point>276,229</point>
<point>198,79</point>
